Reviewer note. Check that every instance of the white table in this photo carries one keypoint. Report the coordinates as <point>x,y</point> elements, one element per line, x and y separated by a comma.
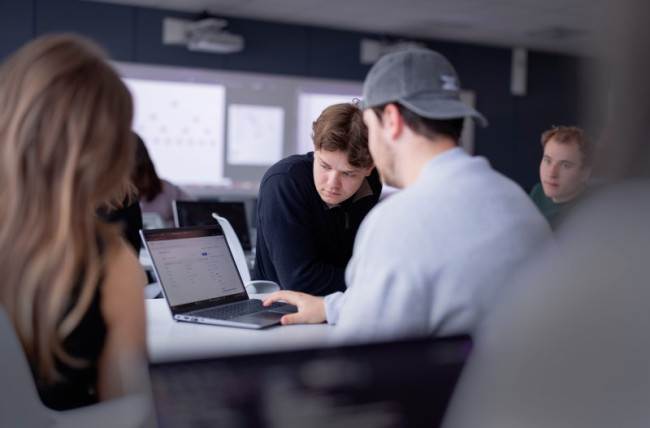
<point>170,340</point>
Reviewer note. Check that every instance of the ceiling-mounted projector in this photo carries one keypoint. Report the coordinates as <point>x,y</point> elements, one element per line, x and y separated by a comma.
<point>205,35</point>
<point>216,42</point>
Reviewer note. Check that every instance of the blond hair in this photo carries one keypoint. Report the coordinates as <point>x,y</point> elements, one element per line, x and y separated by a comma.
<point>65,148</point>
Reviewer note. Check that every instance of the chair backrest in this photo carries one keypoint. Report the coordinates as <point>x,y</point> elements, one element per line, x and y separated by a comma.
<point>235,247</point>
<point>253,287</point>
<point>20,404</point>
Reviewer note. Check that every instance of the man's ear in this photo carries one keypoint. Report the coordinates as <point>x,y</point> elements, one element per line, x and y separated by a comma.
<point>392,121</point>
<point>369,170</point>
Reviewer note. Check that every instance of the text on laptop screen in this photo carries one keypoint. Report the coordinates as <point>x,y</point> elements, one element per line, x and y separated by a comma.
<point>195,269</point>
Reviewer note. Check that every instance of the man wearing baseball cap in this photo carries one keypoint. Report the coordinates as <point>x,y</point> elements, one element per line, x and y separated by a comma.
<point>429,259</point>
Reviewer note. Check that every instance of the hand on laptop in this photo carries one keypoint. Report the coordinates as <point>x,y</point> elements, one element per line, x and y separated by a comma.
<point>311,309</point>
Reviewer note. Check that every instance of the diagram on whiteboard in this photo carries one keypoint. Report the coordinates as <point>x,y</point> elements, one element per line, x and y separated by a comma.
<point>182,125</point>
<point>255,134</point>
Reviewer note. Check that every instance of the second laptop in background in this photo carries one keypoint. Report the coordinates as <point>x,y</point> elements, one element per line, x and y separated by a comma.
<point>198,213</point>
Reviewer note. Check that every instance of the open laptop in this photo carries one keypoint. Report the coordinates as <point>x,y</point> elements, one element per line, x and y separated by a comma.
<point>398,384</point>
<point>200,280</point>
<point>198,213</point>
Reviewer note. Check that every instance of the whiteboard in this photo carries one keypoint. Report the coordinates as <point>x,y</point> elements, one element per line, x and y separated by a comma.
<point>212,128</point>
<point>182,126</point>
<point>255,134</point>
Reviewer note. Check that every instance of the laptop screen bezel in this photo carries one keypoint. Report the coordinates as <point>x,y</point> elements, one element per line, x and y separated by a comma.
<point>148,235</point>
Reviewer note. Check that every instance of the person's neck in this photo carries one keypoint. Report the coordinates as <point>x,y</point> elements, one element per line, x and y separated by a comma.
<point>422,152</point>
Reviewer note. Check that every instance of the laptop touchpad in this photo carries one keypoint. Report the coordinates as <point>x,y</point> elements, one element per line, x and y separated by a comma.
<point>285,309</point>
<point>264,317</point>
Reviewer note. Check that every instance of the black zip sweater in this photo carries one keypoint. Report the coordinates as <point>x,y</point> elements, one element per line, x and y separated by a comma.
<point>302,244</point>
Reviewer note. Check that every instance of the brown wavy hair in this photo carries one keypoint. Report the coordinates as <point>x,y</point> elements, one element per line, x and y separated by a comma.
<point>65,148</point>
<point>340,127</point>
<point>144,176</point>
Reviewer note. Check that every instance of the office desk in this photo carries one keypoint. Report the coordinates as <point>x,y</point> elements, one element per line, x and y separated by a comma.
<point>170,340</point>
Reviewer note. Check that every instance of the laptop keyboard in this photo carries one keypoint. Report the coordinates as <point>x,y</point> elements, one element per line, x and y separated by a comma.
<point>238,309</point>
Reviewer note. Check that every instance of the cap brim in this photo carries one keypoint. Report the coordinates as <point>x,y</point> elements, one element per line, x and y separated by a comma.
<point>438,109</point>
<point>444,109</point>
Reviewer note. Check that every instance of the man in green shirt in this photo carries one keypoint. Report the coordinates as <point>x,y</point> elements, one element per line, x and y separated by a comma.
<point>564,171</point>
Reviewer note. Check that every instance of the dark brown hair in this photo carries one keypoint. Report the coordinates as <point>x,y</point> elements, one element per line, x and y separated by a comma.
<point>340,127</point>
<point>429,128</point>
<point>144,175</point>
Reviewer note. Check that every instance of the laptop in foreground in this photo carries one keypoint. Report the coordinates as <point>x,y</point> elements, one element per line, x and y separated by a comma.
<point>390,384</point>
<point>200,280</point>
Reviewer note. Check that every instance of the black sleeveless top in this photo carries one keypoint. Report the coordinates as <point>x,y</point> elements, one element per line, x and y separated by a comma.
<point>78,386</point>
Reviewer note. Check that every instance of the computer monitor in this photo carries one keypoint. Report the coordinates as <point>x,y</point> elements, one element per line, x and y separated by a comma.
<point>391,384</point>
<point>199,213</point>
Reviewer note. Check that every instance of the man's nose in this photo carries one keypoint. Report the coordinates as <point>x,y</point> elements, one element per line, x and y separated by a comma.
<point>333,179</point>
<point>555,170</point>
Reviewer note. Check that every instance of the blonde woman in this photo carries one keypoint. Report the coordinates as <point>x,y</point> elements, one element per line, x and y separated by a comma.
<point>69,282</point>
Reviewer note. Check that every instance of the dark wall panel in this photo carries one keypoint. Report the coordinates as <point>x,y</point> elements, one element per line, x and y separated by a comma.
<point>16,25</point>
<point>109,25</point>
<point>487,72</point>
<point>270,48</point>
<point>336,55</point>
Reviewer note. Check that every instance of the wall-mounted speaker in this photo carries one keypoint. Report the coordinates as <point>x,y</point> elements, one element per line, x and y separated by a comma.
<point>519,71</point>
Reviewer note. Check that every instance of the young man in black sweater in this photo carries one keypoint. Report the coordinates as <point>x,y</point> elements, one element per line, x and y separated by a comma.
<point>310,206</point>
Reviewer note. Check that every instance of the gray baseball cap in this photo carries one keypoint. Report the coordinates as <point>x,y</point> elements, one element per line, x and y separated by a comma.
<point>421,80</point>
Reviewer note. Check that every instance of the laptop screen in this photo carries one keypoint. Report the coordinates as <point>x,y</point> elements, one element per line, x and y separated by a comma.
<point>194,265</point>
<point>198,213</point>
<point>391,384</point>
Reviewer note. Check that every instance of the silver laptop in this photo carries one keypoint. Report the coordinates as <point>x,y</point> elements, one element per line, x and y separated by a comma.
<point>200,280</point>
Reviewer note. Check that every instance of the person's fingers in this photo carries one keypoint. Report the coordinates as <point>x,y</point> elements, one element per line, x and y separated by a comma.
<point>310,308</point>
<point>271,298</point>
<point>283,295</point>
<point>300,317</point>
<point>291,319</point>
